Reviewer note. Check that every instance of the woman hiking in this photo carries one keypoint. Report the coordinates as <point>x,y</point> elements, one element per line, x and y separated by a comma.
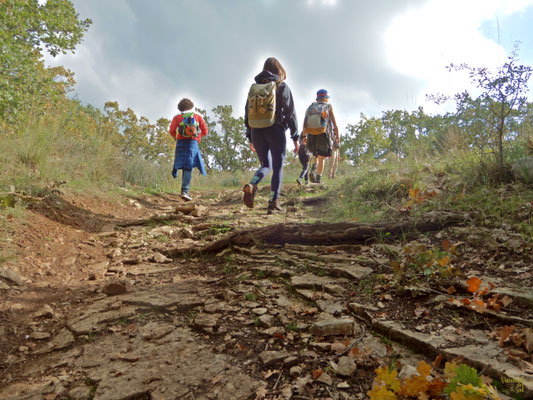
<point>268,114</point>
<point>188,128</point>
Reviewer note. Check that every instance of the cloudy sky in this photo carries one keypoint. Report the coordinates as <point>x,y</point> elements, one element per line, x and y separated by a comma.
<point>370,55</point>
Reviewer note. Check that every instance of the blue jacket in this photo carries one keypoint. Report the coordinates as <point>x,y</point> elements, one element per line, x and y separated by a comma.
<point>285,113</point>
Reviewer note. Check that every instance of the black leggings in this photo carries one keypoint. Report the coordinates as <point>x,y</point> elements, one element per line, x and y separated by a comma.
<point>303,156</point>
<point>270,146</point>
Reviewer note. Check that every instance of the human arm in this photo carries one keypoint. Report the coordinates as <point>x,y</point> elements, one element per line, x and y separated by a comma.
<point>248,129</point>
<point>288,111</point>
<point>174,126</point>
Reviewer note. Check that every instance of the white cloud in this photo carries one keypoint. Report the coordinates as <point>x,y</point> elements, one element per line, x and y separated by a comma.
<point>421,42</point>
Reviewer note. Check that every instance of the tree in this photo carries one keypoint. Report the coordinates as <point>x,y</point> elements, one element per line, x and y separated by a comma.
<point>502,100</point>
<point>226,147</point>
<point>26,30</point>
<point>365,140</point>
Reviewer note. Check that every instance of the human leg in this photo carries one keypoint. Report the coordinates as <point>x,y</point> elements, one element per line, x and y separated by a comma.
<point>304,160</point>
<point>186,184</point>
<point>265,159</point>
<point>320,167</point>
<point>334,162</point>
<point>261,145</point>
<point>277,143</point>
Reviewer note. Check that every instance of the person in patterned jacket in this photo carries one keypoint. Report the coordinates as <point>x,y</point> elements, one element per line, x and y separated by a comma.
<point>188,128</point>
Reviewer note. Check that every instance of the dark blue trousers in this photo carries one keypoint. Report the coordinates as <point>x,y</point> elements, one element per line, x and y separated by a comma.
<point>270,145</point>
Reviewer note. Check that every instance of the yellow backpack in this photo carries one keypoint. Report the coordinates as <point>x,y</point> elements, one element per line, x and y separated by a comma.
<point>262,105</point>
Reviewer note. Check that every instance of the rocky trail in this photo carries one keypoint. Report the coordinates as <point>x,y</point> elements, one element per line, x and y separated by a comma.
<point>161,299</point>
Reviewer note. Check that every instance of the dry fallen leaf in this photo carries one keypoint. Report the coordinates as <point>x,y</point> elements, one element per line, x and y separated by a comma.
<point>506,300</point>
<point>271,372</point>
<point>451,290</point>
<point>317,373</point>
<point>261,393</point>
<point>473,284</point>
<point>505,332</point>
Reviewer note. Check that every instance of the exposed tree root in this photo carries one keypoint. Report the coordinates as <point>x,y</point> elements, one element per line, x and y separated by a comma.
<point>328,234</point>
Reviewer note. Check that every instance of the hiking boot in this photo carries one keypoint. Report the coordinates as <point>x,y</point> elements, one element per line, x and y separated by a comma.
<point>274,207</point>
<point>185,196</point>
<point>249,192</point>
<point>318,178</point>
<point>312,174</point>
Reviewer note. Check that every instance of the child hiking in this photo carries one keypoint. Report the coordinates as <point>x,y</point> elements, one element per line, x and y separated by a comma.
<point>320,131</point>
<point>303,156</point>
<point>268,114</point>
<point>187,128</point>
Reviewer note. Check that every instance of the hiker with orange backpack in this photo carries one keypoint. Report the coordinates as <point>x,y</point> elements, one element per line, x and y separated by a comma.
<point>187,128</point>
<point>268,114</point>
<point>320,132</point>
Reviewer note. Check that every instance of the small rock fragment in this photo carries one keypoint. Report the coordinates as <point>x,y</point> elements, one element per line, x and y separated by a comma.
<point>117,286</point>
<point>269,358</point>
<point>39,335</point>
<point>325,379</point>
<point>346,367</point>
<point>296,371</point>
<point>161,259</point>
<point>333,327</point>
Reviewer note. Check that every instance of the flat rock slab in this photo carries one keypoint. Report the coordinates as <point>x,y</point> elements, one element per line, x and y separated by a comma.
<point>350,271</point>
<point>312,281</point>
<point>524,295</point>
<point>26,391</point>
<point>61,341</point>
<point>183,295</point>
<point>177,366</point>
<point>95,322</point>
<point>484,355</point>
<point>155,330</point>
<point>148,270</point>
<point>330,307</point>
<point>333,327</point>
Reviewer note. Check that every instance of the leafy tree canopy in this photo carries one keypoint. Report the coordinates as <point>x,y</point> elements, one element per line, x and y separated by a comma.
<point>26,30</point>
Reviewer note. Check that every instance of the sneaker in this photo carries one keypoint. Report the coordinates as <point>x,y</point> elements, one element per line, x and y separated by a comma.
<point>249,193</point>
<point>185,196</point>
<point>318,178</point>
<point>299,181</point>
<point>274,207</point>
<point>312,174</point>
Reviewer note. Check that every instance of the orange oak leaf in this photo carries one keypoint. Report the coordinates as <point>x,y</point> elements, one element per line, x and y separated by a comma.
<point>473,284</point>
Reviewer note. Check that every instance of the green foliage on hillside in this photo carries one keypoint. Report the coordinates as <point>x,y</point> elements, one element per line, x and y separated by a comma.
<point>27,29</point>
<point>51,137</point>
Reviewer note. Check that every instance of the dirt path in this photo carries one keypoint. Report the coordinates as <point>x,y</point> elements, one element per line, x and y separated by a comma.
<point>135,303</point>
